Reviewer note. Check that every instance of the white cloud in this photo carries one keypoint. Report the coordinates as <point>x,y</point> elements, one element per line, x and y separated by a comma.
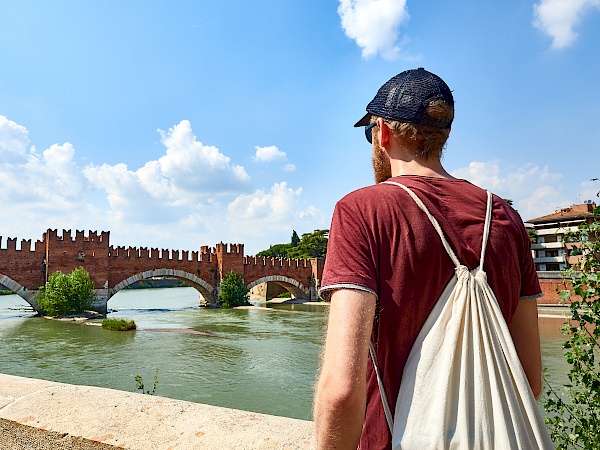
<point>558,18</point>
<point>534,190</point>
<point>272,213</point>
<point>185,176</point>
<point>374,25</point>
<point>14,138</point>
<point>270,153</point>
<point>192,195</point>
<point>590,190</point>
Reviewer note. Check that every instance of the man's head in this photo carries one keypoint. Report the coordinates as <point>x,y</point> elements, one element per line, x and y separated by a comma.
<point>418,108</point>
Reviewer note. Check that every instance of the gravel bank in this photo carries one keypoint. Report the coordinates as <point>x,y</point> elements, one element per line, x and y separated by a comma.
<point>14,436</point>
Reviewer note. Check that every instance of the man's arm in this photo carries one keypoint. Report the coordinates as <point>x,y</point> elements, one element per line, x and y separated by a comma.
<point>341,396</point>
<point>526,336</point>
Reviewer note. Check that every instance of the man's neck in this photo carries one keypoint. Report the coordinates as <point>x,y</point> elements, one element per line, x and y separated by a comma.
<point>425,168</point>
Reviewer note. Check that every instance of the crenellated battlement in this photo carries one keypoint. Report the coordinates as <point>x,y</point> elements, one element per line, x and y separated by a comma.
<point>165,254</point>
<point>230,249</point>
<point>11,245</point>
<point>275,262</point>
<point>80,237</point>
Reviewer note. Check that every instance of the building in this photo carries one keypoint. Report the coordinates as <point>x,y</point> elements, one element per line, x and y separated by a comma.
<point>550,252</point>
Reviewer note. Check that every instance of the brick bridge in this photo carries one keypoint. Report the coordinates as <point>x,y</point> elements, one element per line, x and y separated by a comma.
<point>111,268</point>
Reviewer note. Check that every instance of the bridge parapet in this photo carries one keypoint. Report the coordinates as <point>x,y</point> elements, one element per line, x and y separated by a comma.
<point>164,254</point>
<point>11,245</point>
<point>276,262</point>
<point>93,236</point>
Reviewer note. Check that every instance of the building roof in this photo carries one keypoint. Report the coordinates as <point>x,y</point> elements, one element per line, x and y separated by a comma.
<point>569,213</point>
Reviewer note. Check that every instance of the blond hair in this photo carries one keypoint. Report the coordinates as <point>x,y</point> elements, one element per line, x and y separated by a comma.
<point>427,141</point>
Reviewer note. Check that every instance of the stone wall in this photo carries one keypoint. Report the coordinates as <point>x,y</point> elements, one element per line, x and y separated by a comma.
<point>136,421</point>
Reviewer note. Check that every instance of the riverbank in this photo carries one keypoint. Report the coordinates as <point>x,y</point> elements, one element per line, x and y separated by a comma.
<point>36,414</point>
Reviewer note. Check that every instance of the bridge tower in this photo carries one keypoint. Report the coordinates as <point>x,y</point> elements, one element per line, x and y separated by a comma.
<point>230,257</point>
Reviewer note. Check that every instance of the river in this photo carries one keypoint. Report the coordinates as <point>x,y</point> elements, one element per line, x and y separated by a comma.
<point>251,359</point>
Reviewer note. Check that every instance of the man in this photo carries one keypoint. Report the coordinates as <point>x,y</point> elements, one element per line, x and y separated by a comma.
<point>386,266</point>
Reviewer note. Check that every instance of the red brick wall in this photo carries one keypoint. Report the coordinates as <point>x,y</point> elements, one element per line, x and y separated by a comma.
<point>66,253</point>
<point>125,262</point>
<point>25,266</point>
<point>549,288</point>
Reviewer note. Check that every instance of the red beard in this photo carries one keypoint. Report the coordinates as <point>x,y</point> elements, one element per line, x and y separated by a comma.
<point>381,163</point>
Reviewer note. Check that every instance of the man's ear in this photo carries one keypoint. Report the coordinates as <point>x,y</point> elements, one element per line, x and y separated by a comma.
<point>384,133</point>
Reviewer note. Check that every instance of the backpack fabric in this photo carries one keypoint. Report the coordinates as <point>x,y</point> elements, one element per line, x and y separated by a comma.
<point>463,386</point>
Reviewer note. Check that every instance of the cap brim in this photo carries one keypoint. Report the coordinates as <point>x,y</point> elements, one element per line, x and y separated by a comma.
<point>366,120</point>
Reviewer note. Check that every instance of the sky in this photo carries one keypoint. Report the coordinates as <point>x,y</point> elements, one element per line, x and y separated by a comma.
<point>187,123</point>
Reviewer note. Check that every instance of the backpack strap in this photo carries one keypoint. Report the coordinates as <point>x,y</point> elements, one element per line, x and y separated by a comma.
<point>486,228</point>
<point>433,221</point>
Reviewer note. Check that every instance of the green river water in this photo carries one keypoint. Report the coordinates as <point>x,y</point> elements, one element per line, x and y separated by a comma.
<point>256,360</point>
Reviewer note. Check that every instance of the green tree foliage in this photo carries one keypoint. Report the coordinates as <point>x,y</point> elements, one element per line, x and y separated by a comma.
<point>276,251</point>
<point>312,245</point>
<point>233,291</point>
<point>573,411</point>
<point>508,200</point>
<point>67,293</point>
<point>295,239</point>
<point>532,235</point>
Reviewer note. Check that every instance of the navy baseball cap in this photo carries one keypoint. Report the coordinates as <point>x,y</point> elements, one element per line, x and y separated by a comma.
<point>406,96</point>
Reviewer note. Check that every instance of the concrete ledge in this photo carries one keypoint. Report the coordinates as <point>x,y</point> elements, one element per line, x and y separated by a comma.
<point>138,421</point>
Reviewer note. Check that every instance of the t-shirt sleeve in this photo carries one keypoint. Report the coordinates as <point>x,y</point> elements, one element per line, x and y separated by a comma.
<point>351,253</point>
<point>530,284</point>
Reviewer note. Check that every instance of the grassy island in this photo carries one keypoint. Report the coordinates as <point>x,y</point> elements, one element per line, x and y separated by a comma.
<point>118,324</point>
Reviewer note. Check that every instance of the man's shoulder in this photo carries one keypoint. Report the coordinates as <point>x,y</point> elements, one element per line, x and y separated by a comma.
<point>368,198</point>
<point>377,193</point>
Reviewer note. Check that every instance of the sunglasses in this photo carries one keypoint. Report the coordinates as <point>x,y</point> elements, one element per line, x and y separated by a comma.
<point>369,131</point>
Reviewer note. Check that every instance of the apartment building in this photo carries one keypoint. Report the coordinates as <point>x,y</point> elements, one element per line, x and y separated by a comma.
<point>550,253</point>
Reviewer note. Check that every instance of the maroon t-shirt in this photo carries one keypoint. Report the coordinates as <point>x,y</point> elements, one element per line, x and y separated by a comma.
<point>380,241</point>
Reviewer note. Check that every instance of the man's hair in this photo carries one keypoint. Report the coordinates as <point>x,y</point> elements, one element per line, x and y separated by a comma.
<point>428,142</point>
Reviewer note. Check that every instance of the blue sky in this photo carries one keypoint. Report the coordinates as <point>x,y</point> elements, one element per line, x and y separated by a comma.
<point>186,123</point>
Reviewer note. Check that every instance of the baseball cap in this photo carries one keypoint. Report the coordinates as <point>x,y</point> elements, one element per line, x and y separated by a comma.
<point>406,96</point>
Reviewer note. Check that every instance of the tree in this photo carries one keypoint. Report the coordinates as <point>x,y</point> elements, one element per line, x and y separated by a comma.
<point>312,245</point>
<point>276,251</point>
<point>67,293</point>
<point>532,235</point>
<point>295,239</point>
<point>233,291</point>
<point>573,412</point>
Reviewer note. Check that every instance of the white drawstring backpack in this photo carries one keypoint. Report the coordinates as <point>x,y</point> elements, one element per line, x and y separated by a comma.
<point>463,386</point>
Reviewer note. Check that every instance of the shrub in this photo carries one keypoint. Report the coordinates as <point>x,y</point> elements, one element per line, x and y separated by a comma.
<point>67,293</point>
<point>118,324</point>
<point>233,291</point>
<point>573,412</point>
<point>139,384</point>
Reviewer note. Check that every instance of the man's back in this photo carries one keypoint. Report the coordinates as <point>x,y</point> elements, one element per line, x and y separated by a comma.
<point>386,266</point>
<point>382,242</point>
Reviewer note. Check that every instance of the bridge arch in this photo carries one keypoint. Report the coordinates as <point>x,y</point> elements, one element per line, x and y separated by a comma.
<point>207,291</point>
<point>297,289</point>
<point>21,291</point>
